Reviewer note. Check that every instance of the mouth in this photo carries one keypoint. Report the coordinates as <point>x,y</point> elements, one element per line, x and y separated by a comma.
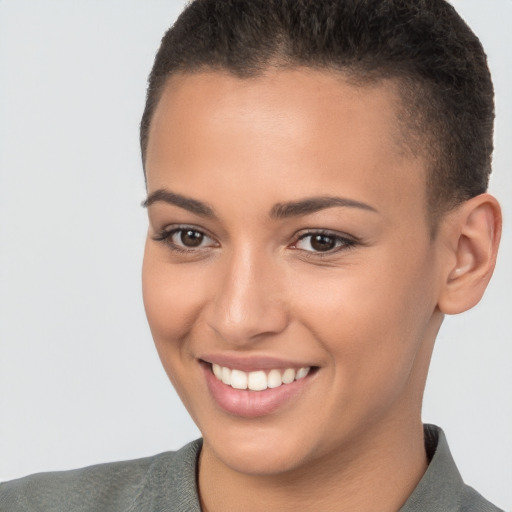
<point>259,380</point>
<point>256,392</point>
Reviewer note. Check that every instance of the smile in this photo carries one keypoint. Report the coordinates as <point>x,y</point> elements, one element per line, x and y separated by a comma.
<point>262,388</point>
<point>258,380</point>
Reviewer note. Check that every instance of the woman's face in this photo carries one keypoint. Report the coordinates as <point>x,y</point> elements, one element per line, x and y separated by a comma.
<point>288,239</point>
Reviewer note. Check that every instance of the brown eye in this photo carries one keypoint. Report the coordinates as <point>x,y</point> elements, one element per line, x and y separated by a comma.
<point>323,242</point>
<point>185,239</point>
<point>191,238</point>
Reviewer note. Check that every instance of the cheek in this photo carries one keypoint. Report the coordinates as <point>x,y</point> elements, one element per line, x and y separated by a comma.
<point>172,298</point>
<point>371,321</point>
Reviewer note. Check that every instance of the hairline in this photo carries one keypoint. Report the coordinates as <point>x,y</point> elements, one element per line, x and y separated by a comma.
<point>411,135</point>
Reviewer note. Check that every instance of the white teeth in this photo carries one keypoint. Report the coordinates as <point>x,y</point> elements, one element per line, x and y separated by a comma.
<point>258,380</point>
<point>217,370</point>
<point>274,379</point>
<point>288,376</point>
<point>301,373</point>
<point>238,379</point>
<point>226,376</point>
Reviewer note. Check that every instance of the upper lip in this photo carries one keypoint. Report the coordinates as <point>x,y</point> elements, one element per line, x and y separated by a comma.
<point>253,362</point>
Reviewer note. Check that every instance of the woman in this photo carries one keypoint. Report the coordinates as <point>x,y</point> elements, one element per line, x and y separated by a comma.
<point>311,285</point>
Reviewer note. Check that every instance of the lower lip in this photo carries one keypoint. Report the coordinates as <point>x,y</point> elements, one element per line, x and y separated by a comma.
<point>252,404</point>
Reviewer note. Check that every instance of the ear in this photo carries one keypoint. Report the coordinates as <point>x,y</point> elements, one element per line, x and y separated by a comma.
<point>473,235</point>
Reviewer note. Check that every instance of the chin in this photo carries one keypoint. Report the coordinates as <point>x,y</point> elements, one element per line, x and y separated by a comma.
<point>260,451</point>
<point>269,461</point>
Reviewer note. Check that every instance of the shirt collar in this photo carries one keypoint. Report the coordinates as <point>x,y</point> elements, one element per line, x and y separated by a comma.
<point>441,485</point>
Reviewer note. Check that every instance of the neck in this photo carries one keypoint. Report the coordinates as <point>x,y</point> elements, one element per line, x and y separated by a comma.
<point>376,473</point>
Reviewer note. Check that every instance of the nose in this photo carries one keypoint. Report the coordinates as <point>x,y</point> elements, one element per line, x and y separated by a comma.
<point>249,303</point>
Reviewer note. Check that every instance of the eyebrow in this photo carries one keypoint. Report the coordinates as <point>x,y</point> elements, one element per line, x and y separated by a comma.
<point>187,203</point>
<point>315,204</point>
<point>278,211</point>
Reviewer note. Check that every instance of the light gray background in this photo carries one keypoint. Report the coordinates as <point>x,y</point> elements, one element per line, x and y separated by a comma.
<point>80,381</point>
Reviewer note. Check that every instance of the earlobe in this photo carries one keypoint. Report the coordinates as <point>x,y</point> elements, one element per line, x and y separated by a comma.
<point>474,236</point>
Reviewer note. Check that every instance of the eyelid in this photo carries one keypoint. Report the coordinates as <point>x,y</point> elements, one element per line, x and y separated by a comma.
<point>165,236</point>
<point>348,242</point>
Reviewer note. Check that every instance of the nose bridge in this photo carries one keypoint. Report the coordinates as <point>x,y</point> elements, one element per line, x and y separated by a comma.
<point>248,300</point>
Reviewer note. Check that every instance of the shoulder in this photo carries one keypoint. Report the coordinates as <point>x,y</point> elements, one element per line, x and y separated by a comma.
<point>442,487</point>
<point>140,484</point>
<point>472,501</point>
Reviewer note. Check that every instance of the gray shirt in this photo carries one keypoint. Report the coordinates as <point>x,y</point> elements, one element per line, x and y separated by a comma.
<point>167,482</point>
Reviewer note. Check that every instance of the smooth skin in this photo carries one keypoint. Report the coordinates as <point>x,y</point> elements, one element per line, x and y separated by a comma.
<point>362,304</point>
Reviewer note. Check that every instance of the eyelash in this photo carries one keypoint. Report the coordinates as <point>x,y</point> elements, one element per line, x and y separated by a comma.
<point>343,243</point>
<point>165,236</point>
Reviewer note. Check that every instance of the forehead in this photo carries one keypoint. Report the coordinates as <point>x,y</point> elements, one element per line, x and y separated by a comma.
<point>287,128</point>
<point>280,97</point>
